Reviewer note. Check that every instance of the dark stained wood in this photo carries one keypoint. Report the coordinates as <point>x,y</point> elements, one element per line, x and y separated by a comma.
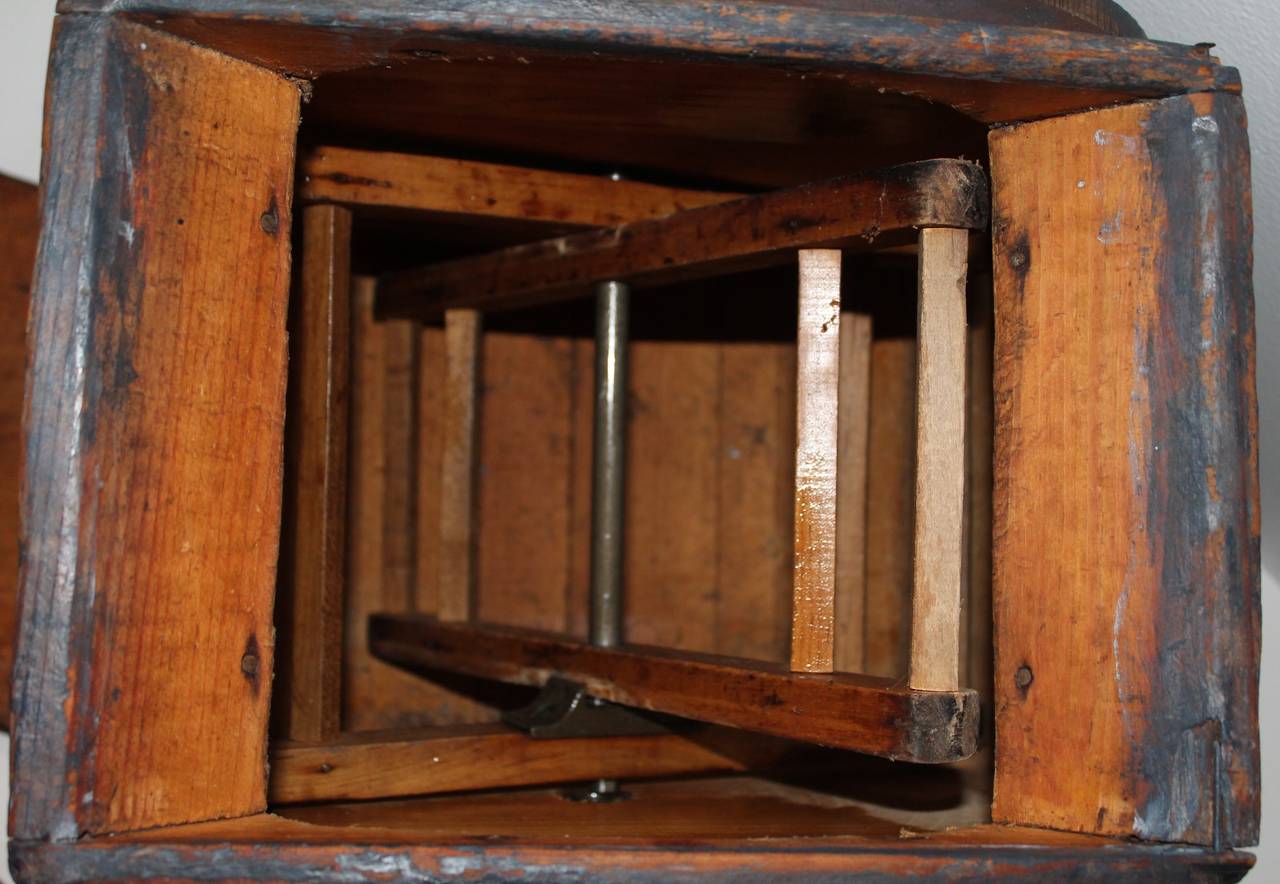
<point>1126,498</point>
<point>862,713</point>
<point>308,681</point>
<point>19,226</point>
<point>151,500</point>
<point>944,61</point>
<point>271,848</point>
<point>751,232</point>
<point>439,185</point>
<point>394,764</point>
<point>813,597</point>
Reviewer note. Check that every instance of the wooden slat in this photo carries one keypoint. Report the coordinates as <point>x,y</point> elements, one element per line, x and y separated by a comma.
<point>890,497</point>
<point>462,336</point>
<point>451,186</point>
<point>861,713</point>
<point>751,232</point>
<point>1126,505</point>
<point>309,608</point>
<point>940,463</point>
<point>155,435</point>
<point>817,438</point>
<point>851,492</point>
<point>393,764</point>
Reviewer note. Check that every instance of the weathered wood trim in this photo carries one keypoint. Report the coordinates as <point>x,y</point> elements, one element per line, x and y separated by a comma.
<point>151,496</point>
<point>1126,505</point>
<point>1010,855</point>
<point>936,55</point>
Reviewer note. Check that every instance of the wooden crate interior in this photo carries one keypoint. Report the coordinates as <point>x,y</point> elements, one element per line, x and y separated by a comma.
<point>711,446</point>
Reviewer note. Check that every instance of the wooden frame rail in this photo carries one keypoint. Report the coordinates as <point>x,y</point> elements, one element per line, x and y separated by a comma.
<point>857,712</point>
<point>880,207</point>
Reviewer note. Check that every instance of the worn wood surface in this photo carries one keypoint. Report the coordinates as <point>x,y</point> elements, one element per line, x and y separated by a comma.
<point>440,185</point>
<point>851,492</point>
<point>813,599</point>
<point>308,678</point>
<point>361,860</point>
<point>741,234</point>
<point>940,461</point>
<point>19,226</point>
<point>395,764</point>
<point>151,501</point>
<point>846,711</point>
<point>462,337</point>
<point>968,62</point>
<point>1126,498</point>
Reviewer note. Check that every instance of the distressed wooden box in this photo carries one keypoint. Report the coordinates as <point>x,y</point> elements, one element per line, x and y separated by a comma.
<point>238,447</point>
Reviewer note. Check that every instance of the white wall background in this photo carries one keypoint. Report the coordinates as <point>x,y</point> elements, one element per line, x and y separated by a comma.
<point>1248,36</point>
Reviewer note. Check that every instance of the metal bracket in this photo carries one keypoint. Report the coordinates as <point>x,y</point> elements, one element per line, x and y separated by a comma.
<point>564,709</point>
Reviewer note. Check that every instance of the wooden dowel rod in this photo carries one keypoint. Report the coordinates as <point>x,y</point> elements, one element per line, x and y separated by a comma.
<point>462,341</point>
<point>315,537</point>
<point>817,406</point>
<point>851,491</point>
<point>940,464</point>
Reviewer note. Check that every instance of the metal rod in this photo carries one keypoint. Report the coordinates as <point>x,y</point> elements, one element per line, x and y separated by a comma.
<point>609,465</point>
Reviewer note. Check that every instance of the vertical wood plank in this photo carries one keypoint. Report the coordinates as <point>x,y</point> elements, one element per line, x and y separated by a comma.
<point>154,436</point>
<point>1126,494</point>
<point>672,483</point>
<point>940,461</point>
<point>19,226</point>
<point>817,442</point>
<point>890,510</point>
<point>851,491</point>
<point>309,679</point>
<point>756,500</point>
<point>428,472</point>
<point>377,696</point>
<point>456,590</point>
<point>400,461</point>
<point>522,504</point>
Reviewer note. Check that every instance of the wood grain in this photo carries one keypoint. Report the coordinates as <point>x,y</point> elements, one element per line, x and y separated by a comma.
<point>395,764</point>
<point>377,696</point>
<point>151,503</point>
<point>750,232</point>
<point>856,712</point>
<point>851,492</point>
<point>308,681</point>
<point>890,509</point>
<point>462,335</point>
<point>1126,515</point>
<point>19,227</point>
<point>940,461</point>
<point>450,186</point>
<point>813,601</point>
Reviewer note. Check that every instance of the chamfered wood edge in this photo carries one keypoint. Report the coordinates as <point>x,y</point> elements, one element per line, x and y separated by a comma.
<point>760,33</point>
<point>862,713</point>
<point>1013,855</point>
<point>84,209</point>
